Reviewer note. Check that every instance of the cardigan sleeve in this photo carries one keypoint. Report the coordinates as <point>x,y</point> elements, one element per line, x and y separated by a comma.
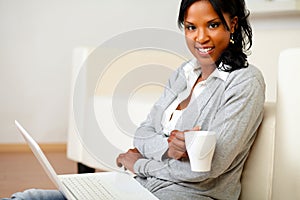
<point>149,138</point>
<point>236,122</point>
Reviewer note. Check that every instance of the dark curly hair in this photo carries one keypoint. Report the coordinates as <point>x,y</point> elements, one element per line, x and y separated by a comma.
<point>235,56</point>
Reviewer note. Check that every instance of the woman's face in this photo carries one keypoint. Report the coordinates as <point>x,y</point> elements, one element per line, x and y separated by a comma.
<point>206,36</point>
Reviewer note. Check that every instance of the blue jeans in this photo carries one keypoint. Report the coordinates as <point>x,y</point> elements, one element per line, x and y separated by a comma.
<point>38,194</point>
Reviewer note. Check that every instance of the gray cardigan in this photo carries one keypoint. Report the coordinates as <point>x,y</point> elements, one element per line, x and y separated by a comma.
<point>232,108</point>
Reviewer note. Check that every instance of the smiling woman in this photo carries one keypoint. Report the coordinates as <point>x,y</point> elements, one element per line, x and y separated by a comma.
<point>207,36</point>
<point>217,90</point>
<point>216,23</point>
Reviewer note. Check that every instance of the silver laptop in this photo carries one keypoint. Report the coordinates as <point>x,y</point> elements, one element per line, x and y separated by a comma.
<point>102,185</point>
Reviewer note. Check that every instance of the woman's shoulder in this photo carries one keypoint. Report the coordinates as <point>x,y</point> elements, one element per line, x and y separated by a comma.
<point>180,71</point>
<point>250,73</point>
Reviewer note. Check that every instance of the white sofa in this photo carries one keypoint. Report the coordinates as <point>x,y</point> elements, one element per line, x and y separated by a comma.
<point>272,170</point>
<point>286,176</point>
<point>257,175</point>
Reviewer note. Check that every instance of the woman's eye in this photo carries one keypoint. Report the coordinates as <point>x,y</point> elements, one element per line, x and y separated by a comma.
<point>214,25</point>
<point>190,27</point>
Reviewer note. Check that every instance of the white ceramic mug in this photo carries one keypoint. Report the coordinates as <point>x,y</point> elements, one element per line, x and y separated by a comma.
<point>200,147</point>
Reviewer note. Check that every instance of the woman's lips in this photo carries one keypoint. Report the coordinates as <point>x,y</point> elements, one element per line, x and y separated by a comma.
<point>204,50</point>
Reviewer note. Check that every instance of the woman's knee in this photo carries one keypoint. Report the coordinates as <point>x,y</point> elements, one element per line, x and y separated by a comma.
<point>38,194</point>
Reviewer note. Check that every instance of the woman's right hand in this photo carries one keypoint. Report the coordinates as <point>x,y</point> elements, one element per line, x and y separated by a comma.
<point>177,148</point>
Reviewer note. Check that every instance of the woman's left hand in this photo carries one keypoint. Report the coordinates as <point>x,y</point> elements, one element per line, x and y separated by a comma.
<point>128,159</point>
<point>176,142</point>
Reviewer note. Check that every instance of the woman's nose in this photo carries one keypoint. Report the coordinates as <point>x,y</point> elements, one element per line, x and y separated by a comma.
<point>201,36</point>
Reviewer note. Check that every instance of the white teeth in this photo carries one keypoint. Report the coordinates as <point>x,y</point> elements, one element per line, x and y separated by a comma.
<point>204,50</point>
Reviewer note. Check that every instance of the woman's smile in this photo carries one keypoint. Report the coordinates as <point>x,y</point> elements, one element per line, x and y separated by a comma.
<point>204,51</point>
<point>206,36</point>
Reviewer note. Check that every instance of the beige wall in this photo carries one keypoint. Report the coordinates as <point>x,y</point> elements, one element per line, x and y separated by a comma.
<point>271,35</point>
<point>37,39</point>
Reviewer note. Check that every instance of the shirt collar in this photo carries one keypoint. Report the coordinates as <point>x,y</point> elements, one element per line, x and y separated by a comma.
<point>217,73</point>
<point>193,67</point>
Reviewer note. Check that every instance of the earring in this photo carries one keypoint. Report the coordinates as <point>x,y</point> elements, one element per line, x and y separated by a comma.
<point>231,39</point>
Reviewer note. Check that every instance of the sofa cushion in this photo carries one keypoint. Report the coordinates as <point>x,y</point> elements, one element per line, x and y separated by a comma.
<point>258,170</point>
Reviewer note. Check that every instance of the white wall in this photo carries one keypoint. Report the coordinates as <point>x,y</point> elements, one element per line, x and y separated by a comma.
<point>36,42</point>
<point>37,38</point>
<point>272,34</point>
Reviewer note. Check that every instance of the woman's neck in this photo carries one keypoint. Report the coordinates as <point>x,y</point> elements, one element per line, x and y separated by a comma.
<point>206,71</point>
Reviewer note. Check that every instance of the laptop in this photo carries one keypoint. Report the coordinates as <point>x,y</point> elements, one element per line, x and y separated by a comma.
<point>93,186</point>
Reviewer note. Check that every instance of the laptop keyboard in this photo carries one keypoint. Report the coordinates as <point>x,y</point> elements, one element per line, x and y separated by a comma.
<point>88,188</point>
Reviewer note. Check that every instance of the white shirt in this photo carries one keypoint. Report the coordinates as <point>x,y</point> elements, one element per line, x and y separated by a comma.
<point>192,72</point>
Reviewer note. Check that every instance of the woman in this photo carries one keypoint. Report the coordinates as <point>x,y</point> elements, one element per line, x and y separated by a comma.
<point>218,91</point>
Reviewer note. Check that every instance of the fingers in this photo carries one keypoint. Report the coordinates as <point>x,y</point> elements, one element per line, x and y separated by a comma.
<point>134,150</point>
<point>128,159</point>
<point>179,136</point>
<point>176,141</point>
<point>176,134</point>
<point>119,160</point>
<point>172,135</point>
<point>196,128</point>
<point>177,147</point>
<point>175,153</point>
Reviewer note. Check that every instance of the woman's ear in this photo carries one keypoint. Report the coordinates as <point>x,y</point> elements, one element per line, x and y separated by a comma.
<point>233,24</point>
